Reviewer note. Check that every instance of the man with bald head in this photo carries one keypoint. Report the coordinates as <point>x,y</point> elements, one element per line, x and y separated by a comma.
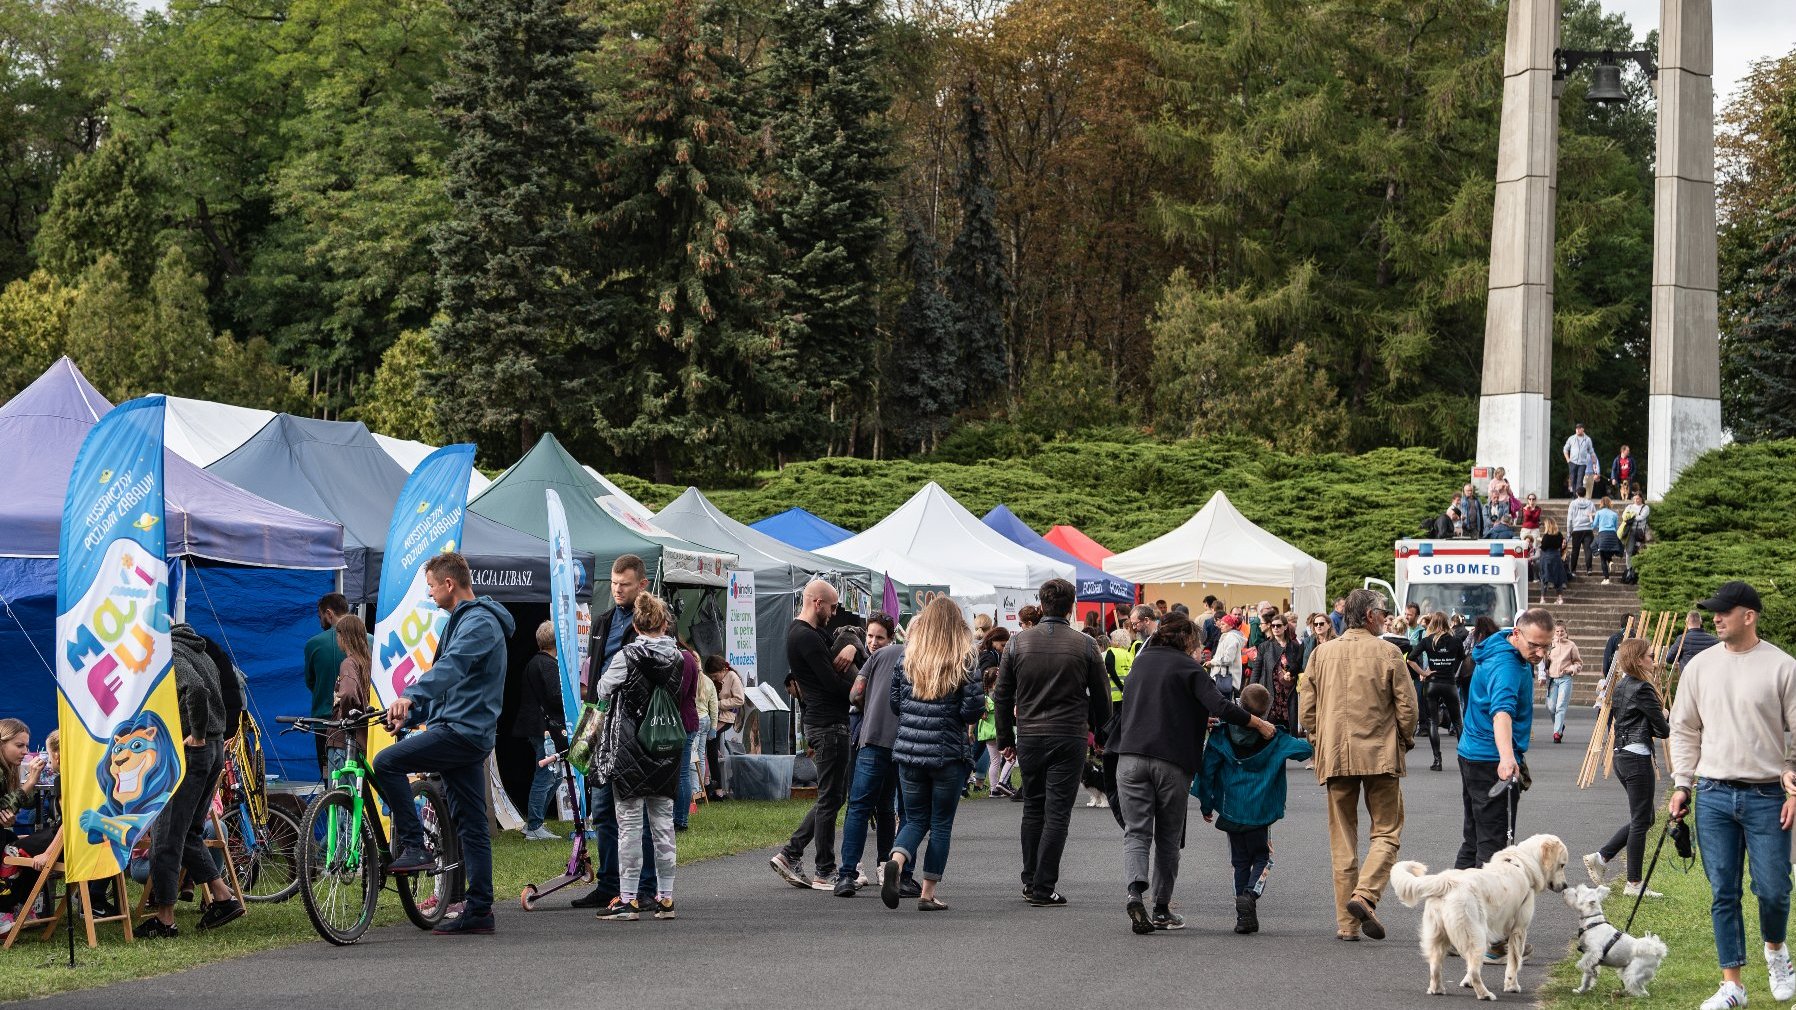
<point>823,683</point>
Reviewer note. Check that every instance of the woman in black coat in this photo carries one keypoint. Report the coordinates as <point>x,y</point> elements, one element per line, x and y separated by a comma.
<point>1639,719</point>
<point>936,694</point>
<point>1276,667</point>
<point>643,784</point>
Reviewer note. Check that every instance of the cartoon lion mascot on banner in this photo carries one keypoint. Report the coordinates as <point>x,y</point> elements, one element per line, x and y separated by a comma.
<point>139,774</point>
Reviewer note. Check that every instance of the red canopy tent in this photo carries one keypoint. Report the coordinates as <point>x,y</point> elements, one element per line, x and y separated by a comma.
<point>1070,540</point>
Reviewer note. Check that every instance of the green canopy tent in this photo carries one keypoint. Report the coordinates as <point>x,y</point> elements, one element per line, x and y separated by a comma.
<point>609,529</point>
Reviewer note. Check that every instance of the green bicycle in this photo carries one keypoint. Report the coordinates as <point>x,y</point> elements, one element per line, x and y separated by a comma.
<point>343,849</point>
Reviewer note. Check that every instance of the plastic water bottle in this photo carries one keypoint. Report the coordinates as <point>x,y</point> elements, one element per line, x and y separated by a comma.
<point>1259,886</point>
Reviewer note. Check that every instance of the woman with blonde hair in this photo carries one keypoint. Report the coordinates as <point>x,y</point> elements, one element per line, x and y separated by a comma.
<point>1552,560</point>
<point>354,675</point>
<point>936,695</point>
<point>1639,718</point>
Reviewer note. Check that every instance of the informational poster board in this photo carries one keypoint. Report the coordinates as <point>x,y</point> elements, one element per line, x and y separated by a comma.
<point>739,626</point>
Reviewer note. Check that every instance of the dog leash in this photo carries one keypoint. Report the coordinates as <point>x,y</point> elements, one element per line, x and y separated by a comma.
<point>1648,878</point>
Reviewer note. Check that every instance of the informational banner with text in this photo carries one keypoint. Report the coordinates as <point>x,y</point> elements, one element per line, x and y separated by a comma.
<point>739,626</point>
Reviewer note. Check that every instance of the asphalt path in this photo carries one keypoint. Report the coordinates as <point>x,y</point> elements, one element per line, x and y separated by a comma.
<point>745,938</point>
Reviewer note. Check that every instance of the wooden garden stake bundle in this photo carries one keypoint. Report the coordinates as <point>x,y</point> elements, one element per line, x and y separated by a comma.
<point>1599,739</point>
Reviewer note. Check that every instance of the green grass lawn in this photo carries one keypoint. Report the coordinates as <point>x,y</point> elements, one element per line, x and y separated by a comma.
<point>35,968</point>
<point>1681,918</point>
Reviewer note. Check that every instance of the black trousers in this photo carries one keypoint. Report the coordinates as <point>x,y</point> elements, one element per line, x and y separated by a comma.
<point>1636,774</point>
<point>1487,818</point>
<point>829,746</point>
<point>1249,852</point>
<point>1051,767</point>
<point>1580,541</point>
<point>178,840</point>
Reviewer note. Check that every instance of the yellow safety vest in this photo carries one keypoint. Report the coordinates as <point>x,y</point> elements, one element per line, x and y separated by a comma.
<point>1123,659</point>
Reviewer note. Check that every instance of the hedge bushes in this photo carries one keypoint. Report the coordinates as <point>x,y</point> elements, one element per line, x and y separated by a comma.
<point>1728,517</point>
<point>1343,509</point>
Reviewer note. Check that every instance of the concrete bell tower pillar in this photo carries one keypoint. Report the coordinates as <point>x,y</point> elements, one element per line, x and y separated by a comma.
<point>1515,408</point>
<point>1684,391</point>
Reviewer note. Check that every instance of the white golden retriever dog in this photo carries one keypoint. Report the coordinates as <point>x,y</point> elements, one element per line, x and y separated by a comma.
<point>1600,943</point>
<point>1472,909</point>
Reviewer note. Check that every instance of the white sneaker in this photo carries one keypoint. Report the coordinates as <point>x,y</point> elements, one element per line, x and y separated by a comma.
<point>1783,977</point>
<point>1730,995</point>
<point>1633,891</point>
<point>1597,867</point>
<point>1091,801</point>
<point>541,834</point>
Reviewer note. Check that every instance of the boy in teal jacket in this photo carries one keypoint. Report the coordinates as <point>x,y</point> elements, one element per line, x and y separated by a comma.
<point>1241,787</point>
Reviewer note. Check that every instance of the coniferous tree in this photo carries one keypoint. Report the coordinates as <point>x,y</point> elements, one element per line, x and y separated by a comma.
<point>1760,370</point>
<point>513,258</point>
<point>834,158</point>
<point>927,384</point>
<point>699,380</point>
<point>976,277</point>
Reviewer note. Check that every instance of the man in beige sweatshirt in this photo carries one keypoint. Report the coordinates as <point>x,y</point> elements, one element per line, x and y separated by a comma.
<point>1730,721</point>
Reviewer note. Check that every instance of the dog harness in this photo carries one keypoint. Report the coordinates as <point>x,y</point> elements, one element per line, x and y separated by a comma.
<point>1600,920</point>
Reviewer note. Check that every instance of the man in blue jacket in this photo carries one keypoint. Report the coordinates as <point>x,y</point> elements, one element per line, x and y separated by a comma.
<point>460,695</point>
<point>1498,719</point>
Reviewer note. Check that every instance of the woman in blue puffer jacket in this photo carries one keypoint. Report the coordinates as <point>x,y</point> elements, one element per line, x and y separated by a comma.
<point>936,694</point>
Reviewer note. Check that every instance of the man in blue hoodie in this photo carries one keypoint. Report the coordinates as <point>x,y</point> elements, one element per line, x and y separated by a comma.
<point>461,694</point>
<point>1498,718</point>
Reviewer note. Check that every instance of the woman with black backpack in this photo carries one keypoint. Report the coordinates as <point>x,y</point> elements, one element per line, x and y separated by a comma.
<point>1436,661</point>
<point>639,754</point>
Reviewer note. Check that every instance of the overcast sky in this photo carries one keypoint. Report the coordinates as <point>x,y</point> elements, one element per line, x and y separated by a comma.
<point>1745,30</point>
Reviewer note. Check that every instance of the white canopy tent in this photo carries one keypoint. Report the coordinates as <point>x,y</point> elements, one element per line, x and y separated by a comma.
<point>625,498</point>
<point>202,432</point>
<point>409,454</point>
<point>1219,549</point>
<point>933,539</point>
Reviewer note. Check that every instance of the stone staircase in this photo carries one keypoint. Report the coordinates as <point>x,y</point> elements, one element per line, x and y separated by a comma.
<point>1592,611</point>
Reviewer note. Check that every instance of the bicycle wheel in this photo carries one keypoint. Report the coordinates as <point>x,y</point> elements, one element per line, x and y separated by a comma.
<point>267,856</point>
<point>339,873</point>
<point>426,897</point>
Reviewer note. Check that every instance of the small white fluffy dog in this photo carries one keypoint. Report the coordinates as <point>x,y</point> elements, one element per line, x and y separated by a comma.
<point>1638,957</point>
<point>1471,909</point>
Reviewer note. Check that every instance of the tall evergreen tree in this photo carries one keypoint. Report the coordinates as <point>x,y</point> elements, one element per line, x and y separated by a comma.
<point>976,277</point>
<point>514,256</point>
<point>926,383</point>
<point>699,379</point>
<point>834,158</point>
<point>1760,370</point>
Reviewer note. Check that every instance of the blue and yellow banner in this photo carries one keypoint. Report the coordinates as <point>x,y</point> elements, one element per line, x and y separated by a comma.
<point>427,521</point>
<point>565,576</point>
<point>121,726</point>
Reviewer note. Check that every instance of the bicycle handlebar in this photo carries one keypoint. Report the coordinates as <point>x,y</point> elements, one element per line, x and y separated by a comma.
<point>312,724</point>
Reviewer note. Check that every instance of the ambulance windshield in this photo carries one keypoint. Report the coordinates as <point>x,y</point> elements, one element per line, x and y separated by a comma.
<point>1470,600</point>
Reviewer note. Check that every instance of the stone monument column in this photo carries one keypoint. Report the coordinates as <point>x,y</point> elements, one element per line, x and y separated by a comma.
<point>1515,409</point>
<point>1684,390</point>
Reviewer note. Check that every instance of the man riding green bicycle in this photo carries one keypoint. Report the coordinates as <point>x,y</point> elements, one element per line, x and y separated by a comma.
<point>459,696</point>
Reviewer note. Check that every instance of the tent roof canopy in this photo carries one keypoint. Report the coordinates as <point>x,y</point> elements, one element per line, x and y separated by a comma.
<point>933,532</point>
<point>336,470</point>
<point>802,529</point>
<point>1219,545</point>
<point>693,516</point>
<point>203,432</point>
<point>409,454</point>
<point>1093,584</point>
<point>1074,541</point>
<point>207,517</point>
<point>516,499</point>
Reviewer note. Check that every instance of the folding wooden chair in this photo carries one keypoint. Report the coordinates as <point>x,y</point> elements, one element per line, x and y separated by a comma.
<point>54,867</point>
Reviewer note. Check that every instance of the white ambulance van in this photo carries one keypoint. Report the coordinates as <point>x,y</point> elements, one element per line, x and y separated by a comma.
<point>1471,578</point>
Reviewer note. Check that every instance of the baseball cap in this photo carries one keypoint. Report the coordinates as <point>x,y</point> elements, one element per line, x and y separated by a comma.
<point>1731,595</point>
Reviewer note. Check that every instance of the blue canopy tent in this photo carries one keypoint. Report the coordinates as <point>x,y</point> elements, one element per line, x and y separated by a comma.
<point>259,564</point>
<point>802,530</point>
<point>1094,585</point>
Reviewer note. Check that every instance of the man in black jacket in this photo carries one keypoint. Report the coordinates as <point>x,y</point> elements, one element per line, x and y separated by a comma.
<point>611,631</point>
<point>823,683</point>
<point>1051,694</point>
<point>541,722</point>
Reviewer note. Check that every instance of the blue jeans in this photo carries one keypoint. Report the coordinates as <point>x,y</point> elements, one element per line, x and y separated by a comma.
<point>1575,474</point>
<point>462,765</point>
<point>604,828</point>
<point>1559,701</point>
<point>540,788</point>
<point>1732,825</point>
<point>931,795</point>
<point>870,798</point>
<point>688,782</point>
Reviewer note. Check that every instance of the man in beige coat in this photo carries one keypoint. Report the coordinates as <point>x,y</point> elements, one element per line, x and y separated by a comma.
<point>1360,707</point>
